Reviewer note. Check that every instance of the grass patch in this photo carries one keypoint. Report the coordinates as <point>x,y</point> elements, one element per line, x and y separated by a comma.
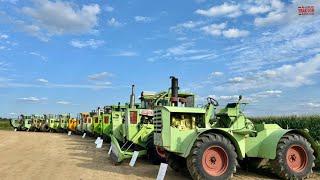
<point>5,124</point>
<point>312,123</point>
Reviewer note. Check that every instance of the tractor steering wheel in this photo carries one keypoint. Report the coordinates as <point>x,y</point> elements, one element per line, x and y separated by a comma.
<point>212,101</point>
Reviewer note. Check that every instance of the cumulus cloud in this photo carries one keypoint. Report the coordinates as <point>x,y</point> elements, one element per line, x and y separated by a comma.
<point>114,23</point>
<point>143,19</point>
<point>4,36</point>
<point>92,43</point>
<point>235,33</point>
<point>215,74</point>
<point>214,29</point>
<point>59,17</point>
<point>226,9</point>
<point>288,75</point>
<point>179,28</point>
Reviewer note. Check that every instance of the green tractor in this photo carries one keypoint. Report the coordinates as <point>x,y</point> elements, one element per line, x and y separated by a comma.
<point>63,122</point>
<point>96,122</point>
<point>22,123</point>
<point>210,145</point>
<point>82,118</point>
<point>53,122</point>
<point>88,124</point>
<point>137,129</point>
<point>112,124</point>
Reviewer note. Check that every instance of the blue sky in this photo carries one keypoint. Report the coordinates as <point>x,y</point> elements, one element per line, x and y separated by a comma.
<point>72,56</point>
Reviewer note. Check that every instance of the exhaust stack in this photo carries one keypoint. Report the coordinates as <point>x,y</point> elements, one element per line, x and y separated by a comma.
<point>174,90</point>
<point>132,98</point>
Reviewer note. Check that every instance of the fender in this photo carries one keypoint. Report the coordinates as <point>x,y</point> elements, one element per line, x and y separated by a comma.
<point>268,147</point>
<point>237,141</point>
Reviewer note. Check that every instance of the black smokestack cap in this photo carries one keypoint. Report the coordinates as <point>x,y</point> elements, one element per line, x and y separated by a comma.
<point>174,90</point>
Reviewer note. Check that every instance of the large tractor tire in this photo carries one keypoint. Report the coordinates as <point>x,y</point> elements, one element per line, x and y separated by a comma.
<point>155,154</point>
<point>212,157</point>
<point>294,158</point>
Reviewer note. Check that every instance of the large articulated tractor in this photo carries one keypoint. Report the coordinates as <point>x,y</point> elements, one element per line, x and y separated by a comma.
<point>22,123</point>
<point>17,124</point>
<point>53,122</point>
<point>112,121</point>
<point>45,123</point>
<point>72,124</point>
<point>88,124</point>
<point>63,122</point>
<point>82,117</point>
<point>97,122</point>
<point>137,129</point>
<point>210,145</point>
<point>36,123</point>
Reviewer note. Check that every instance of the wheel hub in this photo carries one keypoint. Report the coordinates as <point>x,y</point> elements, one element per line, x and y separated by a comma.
<point>215,161</point>
<point>297,158</point>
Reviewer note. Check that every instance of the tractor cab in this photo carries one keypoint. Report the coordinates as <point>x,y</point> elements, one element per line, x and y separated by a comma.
<point>232,117</point>
<point>82,120</point>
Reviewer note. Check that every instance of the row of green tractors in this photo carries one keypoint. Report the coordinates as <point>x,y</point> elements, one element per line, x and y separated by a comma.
<point>204,142</point>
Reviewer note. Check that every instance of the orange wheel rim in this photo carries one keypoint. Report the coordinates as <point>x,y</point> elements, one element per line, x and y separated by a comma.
<point>297,158</point>
<point>215,161</point>
<point>161,152</point>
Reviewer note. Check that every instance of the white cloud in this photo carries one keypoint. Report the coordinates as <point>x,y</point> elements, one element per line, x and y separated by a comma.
<point>63,102</point>
<point>289,75</point>
<point>258,9</point>
<point>214,29</point>
<point>61,17</point>
<point>226,9</point>
<point>268,93</point>
<point>32,99</point>
<point>215,74</point>
<point>143,19</point>
<point>100,76</point>
<point>93,43</point>
<point>114,23</point>
<point>271,18</point>
<point>313,105</point>
<point>236,79</point>
<point>126,54</point>
<point>235,33</point>
<point>186,25</point>
<point>42,80</point>
<point>109,8</point>
<point>44,58</point>
<point>4,36</point>
<point>184,52</point>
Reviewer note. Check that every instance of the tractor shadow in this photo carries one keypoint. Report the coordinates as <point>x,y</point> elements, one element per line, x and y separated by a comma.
<point>88,156</point>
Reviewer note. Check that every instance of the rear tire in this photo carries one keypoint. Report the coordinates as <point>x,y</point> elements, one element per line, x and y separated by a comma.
<point>294,158</point>
<point>212,157</point>
<point>155,154</point>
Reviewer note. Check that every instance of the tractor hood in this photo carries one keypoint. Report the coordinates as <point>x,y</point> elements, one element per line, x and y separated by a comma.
<point>185,109</point>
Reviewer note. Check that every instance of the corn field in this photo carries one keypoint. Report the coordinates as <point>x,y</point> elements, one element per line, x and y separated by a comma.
<point>312,123</point>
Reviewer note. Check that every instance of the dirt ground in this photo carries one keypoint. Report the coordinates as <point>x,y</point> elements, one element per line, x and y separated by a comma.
<point>34,155</point>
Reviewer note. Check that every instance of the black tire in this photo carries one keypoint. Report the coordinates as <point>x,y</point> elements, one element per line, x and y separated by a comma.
<point>203,144</point>
<point>152,153</point>
<point>280,165</point>
<point>178,164</point>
